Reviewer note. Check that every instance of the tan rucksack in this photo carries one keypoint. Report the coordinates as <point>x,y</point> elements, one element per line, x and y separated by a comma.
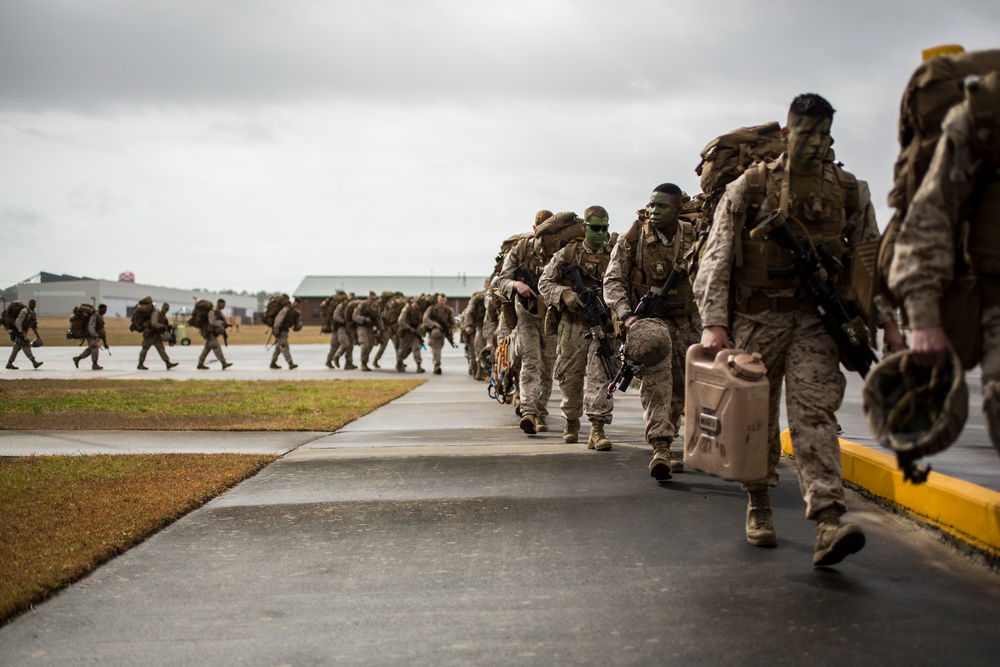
<point>11,312</point>
<point>326,311</point>
<point>559,230</point>
<point>274,306</point>
<point>729,155</point>
<point>199,316</point>
<point>79,320</point>
<point>933,89</point>
<point>141,314</point>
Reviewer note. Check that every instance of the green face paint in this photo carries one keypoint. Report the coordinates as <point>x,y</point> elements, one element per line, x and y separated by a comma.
<point>595,232</point>
<point>661,210</point>
<point>809,141</point>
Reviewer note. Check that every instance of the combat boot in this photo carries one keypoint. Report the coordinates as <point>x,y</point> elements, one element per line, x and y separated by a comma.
<point>274,365</point>
<point>201,367</point>
<point>142,367</point>
<point>76,361</point>
<point>171,364</point>
<point>36,364</point>
<point>420,369</point>
<point>95,367</point>
<point>292,366</point>
<point>541,424</point>
<point>375,363</point>
<point>597,439</point>
<point>659,467</point>
<point>571,431</point>
<point>676,464</point>
<point>364,366</point>
<point>760,527</point>
<point>400,367</point>
<point>11,367</point>
<point>348,366</point>
<point>437,370</point>
<point>834,541</point>
<point>529,424</point>
<point>329,364</point>
<point>226,364</point>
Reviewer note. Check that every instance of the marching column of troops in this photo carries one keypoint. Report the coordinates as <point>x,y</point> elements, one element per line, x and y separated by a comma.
<point>571,302</point>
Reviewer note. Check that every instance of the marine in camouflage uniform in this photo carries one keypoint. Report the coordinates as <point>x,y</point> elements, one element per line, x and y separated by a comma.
<point>641,261</point>
<point>472,321</point>
<point>537,350</point>
<point>152,336</point>
<point>390,304</point>
<point>773,317</point>
<point>26,321</point>
<point>95,334</point>
<point>333,355</point>
<point>215,326</point>
<point>577,357</point>
<point>962,185</point>
<point>344,331</point>
<point>438,322</point>
<point>410,339</point>
<point>287,319</point>
<point>367,318</point>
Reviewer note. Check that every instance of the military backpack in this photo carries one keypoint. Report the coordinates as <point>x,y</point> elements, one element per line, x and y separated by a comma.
<point>141,314</point>
<point>274,306</point>
<point>11,312</point>
<point>199,316</point>
<point>79,321</point>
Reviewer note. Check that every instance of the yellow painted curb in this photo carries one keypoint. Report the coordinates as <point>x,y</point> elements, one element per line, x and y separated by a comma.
<point>962,509</point>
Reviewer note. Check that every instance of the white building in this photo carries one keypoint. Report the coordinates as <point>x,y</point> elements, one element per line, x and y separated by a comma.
<point>57,295</point>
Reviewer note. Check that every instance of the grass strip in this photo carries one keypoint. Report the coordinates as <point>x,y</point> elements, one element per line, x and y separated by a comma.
<point>209,405</point>
<point>62,516</point>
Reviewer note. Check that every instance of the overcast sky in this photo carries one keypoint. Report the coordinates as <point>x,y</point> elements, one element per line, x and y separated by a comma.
<point>245,144</point>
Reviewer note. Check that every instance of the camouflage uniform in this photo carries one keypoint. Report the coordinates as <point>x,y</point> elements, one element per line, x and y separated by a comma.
<point>367,317</point>
<point>26,320</point>
<point>215,326</point>
<point>443,316</point>
<point>642,259</point>
<point>537,351</point>
<point>925,256</point>
<point>390,305</point>
<point>408,329</point>
<point>95,333</point>
<point>782,325</point>
<point>286,319</point>
<point>577,356</point>
<point>473,318</point>
<point>345,339</point>
<point>152,336</point>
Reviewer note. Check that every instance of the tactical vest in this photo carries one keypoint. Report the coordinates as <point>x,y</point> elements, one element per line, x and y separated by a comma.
<point>983,208</point>
<point>592,264</point>
<point>823,216</point>
<point>413,317</point>
<point>530,254</point>
<point>653,260</point>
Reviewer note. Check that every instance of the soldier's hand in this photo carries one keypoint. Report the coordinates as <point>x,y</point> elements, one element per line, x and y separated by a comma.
<point>524,290</point>
<point>573,301</point>
<point>714,339</point>
<point>929,345</point>
<point>468,331</point>
<point>892,339</point>
<point>629,321</point>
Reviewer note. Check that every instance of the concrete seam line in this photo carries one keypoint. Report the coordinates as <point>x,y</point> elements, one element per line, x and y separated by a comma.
<point>964,510</point>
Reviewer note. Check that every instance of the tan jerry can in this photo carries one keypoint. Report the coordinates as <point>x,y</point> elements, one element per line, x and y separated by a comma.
<point>726,398</point>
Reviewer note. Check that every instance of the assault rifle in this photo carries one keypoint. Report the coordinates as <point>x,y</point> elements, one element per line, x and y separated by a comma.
<point>595,314</point>
<point>814,268</point>
<point>524,275</point>
<point>653,302</point>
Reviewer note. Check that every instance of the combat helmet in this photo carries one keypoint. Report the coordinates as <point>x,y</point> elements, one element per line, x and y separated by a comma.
<point>648,342</point>
<point>915,411</point>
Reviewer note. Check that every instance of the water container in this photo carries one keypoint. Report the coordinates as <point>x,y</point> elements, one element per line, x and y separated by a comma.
<point>726,411</point>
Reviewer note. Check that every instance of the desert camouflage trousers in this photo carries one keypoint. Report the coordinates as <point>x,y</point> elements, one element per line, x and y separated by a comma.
<point>345,348</point>
<point>19,345</point>
<point>384,338</point>
<point>366,339</point>
<point>409,341</point>
<point>281,347</point>
<point>93,349</point>
<point>476,346</point>
<point>334,347</point>
<point>662,390</point>
<point>211,345</point>
<point>577,361</point>
<point>990,366</point>
<point>156,340</point>
<point>435,341</point>
<point>797,350</point>
<point>538,355</point>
